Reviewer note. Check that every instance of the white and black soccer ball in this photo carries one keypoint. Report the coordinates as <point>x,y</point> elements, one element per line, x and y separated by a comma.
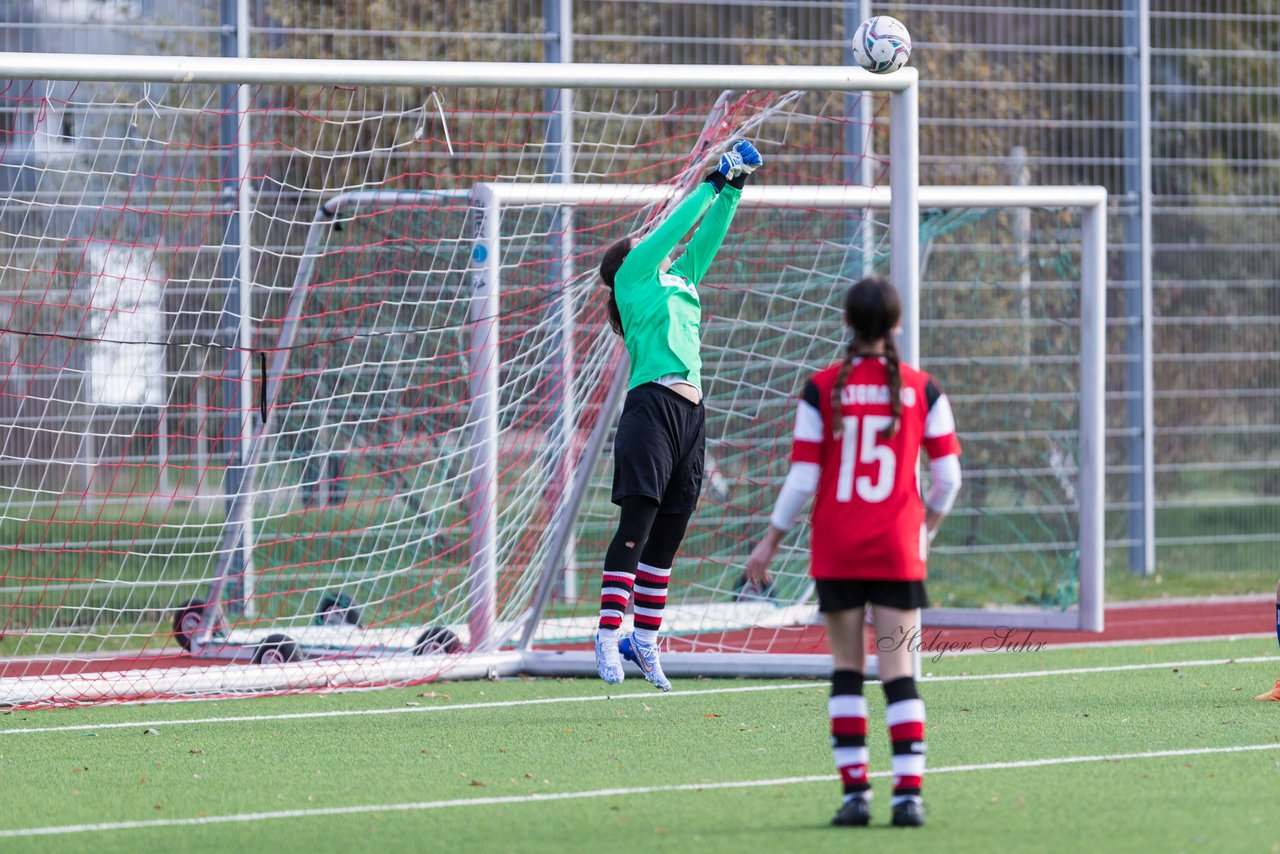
<point>882,44</point>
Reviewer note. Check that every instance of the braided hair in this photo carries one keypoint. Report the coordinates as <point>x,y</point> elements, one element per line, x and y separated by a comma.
<point>871,309</point>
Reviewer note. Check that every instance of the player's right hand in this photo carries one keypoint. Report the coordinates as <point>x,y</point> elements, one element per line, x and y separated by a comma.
<point>758,563</point>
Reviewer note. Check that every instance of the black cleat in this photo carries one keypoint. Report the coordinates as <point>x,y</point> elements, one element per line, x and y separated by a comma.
<point>909,813</point>
<point>856,812</point>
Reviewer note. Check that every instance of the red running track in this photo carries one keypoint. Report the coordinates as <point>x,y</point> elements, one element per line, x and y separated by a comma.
<point>1127,621</point>
<point>12,668</point>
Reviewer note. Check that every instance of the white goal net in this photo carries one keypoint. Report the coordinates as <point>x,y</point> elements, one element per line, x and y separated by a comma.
<point>307,376</point>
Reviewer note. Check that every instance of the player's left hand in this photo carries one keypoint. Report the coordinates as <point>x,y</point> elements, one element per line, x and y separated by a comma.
<point>758,563</point>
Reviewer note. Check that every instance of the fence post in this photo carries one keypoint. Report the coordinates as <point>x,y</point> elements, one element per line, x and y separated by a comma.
<point>1140,412</point>
<point>558,16</point>
<point>236,318</point>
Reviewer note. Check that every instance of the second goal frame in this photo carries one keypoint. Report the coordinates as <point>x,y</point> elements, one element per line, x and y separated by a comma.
<point>491,198</point>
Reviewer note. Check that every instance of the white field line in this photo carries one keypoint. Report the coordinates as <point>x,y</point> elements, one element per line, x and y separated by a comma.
<point>645,695</point>
<point>1111,668</point>
<point>242,818</point>
<point>1061,646</point>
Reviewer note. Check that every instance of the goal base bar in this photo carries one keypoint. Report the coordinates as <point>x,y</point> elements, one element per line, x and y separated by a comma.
<point>712,665</point>
<point>232,680</point>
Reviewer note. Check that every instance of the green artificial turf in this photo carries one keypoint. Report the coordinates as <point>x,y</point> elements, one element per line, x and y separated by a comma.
<point>430,748</point>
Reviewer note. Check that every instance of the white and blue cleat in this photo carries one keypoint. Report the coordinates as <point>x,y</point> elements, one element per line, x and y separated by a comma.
<point>608,659</point>
<point>645,657</point>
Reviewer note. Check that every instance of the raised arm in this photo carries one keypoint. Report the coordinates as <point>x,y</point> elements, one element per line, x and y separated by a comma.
<point>705,243</point>
<point>743,159</point>
<point>643,260</point>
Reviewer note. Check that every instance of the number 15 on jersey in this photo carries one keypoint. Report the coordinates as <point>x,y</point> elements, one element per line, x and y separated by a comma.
<point>861,445</point>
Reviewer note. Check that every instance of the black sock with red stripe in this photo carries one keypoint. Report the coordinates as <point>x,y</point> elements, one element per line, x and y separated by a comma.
<point>904,713</point>
<point>650,599</point>
<point>848,710</point>
<point>615,593</point>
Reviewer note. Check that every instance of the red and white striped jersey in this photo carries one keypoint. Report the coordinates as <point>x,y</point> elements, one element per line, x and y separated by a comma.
<point>868,517</point>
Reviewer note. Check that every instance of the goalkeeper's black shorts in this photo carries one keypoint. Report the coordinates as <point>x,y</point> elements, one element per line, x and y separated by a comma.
<point>660,449</point>
<point>842,595</point>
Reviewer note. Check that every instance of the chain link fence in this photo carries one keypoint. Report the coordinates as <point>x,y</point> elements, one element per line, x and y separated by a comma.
<point>1067,92</point>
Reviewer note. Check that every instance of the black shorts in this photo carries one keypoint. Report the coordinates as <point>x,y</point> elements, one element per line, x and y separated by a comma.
<point>660,449</point>
<point>842,595</point>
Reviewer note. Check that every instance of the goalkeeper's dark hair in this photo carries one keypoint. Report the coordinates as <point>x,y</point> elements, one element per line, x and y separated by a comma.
<point>872,310</point>
<point>613,258</point>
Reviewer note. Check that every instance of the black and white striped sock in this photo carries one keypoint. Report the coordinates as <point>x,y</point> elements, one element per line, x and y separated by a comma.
<point>847,708</point>
<point>904,714</point>
<point>650,600</point>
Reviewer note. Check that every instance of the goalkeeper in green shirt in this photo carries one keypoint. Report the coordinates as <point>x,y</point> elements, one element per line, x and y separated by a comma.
<point>659,447</point>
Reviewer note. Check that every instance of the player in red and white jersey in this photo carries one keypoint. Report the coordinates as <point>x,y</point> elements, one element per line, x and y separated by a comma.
<point>859,431</point>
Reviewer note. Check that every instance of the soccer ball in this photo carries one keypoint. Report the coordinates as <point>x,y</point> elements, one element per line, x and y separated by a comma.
<point>882,44</point>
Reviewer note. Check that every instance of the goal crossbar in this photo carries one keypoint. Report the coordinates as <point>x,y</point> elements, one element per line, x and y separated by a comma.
<point>837,197</point>
<point>373,72</point>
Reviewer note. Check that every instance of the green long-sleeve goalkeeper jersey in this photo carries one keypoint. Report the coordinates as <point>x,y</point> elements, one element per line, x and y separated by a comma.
<point>661,313</point>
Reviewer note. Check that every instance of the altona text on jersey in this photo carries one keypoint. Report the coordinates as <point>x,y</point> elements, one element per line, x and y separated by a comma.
<point>865,394</point>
